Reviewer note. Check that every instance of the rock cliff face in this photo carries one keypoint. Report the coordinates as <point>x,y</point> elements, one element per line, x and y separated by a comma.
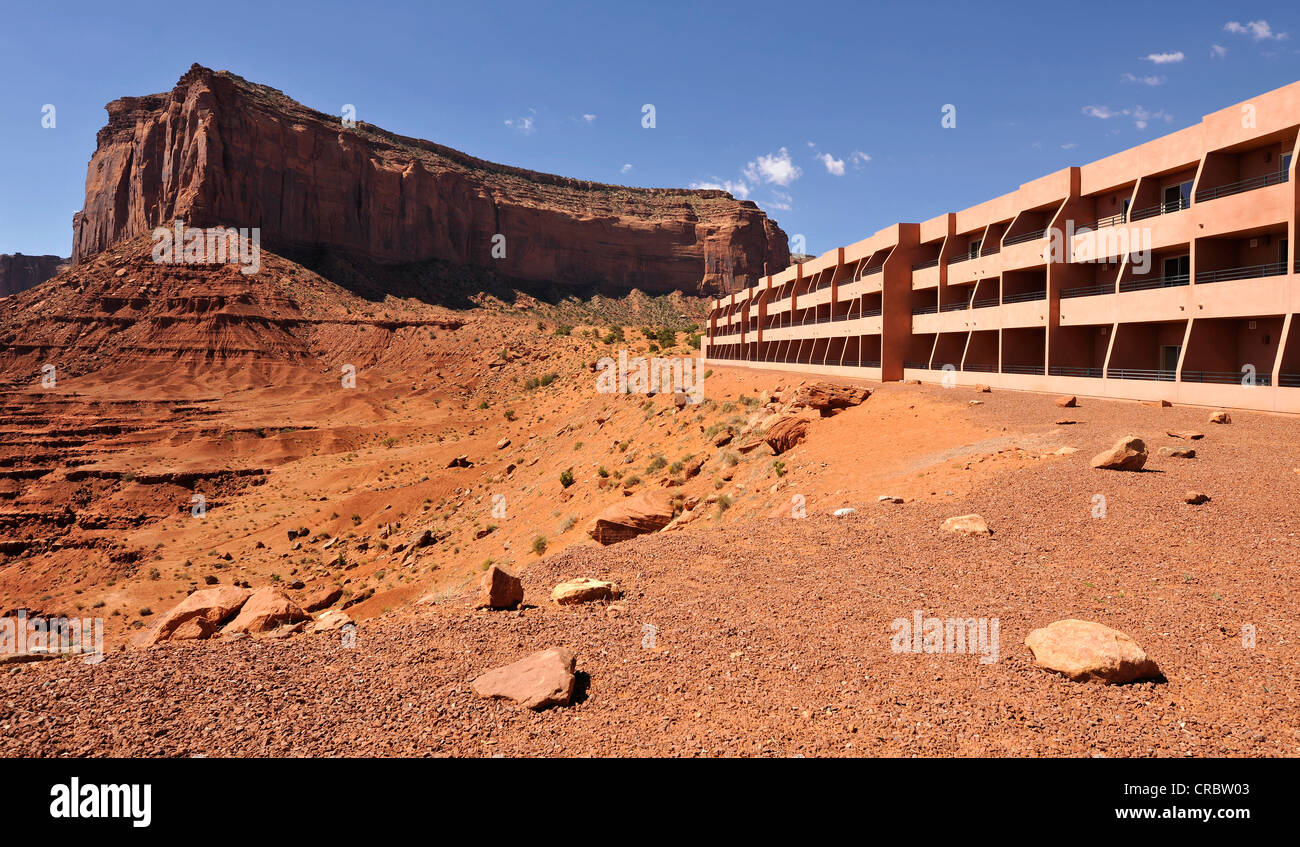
<point>19,272</point>
<point>220,150</point>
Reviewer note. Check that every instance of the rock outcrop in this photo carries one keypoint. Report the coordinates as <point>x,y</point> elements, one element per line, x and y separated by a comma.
<point>219,150</point>
<point>649,511</point>
<point>19,272</point>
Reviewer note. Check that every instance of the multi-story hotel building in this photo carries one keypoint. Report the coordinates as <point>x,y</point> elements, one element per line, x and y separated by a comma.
<point>1165,271</point>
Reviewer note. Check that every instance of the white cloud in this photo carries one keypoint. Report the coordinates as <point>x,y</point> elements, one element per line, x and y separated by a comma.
<point>781,201</point>
<point>1153,79</point>
<point>1164,58</point>
<point>1103,112</point>
<point>1141,115</point>
<point>1069,145</point>
<point>524,125</point>
<point>1218,51</point>
<point>834,166</point>
<point>739,190</point>
<point>858,158</point>
<point>626,168</point>
<point>589,118</point>
<point>1258,30</point>
<point>775,169</point>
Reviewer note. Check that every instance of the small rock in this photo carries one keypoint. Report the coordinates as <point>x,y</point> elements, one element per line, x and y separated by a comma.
<point>845,512</point>
<point>499,589</point>
<point>1195,498</point>
<point>889,498</point>
<point>1221,417</point>
<point>981,388</point>
<point>1067,401</point>
<point>503,443</point>
<point>969,525</point>
<point>1090,652</point>
<point>1128,454</point>
<point>543,679</point>
<point>584,590</point>
<point>1178,452</point>
<point>1186,435</point>
<point>1159,404</point>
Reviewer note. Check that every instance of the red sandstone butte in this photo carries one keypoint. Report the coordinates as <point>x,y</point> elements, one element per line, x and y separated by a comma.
<point>219,150</point>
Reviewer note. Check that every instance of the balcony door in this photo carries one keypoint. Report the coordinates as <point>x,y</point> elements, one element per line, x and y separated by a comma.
<point>1178,197</point>
<point>1169,357</point>
<point>1177,268</point>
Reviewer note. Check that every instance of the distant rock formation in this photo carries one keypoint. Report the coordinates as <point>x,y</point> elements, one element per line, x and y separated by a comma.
<point>19,272</point>
<point>219,150</point>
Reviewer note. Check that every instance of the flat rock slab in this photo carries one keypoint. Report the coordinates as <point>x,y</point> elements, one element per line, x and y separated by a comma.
<point>584,590</point>
<point>536,682</point>
<point>1090,652</point>
<point>971,525</point>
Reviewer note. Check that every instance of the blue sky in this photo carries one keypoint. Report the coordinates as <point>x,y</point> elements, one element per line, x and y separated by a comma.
<point>828,115</point>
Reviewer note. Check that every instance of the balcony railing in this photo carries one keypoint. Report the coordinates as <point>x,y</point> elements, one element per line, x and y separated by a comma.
<point>917,366</point>
<point>1059,370</point>
<point>1165,208</point>
<point>1288,380</point>
<point>960,257</point>
<point>1144,283</point>
<point>859,363</point>
<point>984,304</point>
<point>877,269</point>
<point>985,369</point>
<point>954,307</point>
<point>1141,373</point>
<point>1109,220</point>
<point>991,251</point>
<point>1088,291</point>
<point>1274,178</point>
<point>933,263</point>
<point>1024,236</point>
<point>1224,377</point>
<point>1249,272</point>
<point>925,310</point>
<point>1025,297</point>
<point>1032,370</point>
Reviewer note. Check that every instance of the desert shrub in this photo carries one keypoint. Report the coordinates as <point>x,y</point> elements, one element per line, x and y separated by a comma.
<point>539,544</point>
<point>566,477</point>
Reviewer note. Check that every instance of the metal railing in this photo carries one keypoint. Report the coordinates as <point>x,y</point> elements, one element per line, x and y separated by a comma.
<point>1059,370</point>
<point>925,310</point>
<point>1165,208</point>
<point>1033,370</point>
<point>1141,373</point>
<point>859,363</point>
<point>991,251</point>
<point>1025,297</point>
<point>954,307</point>
<point>1249,272</point>
<point>984,304</point>
<point>1144,283</point>
<point>1110,220</point>
<point>960,257</point>
<point>1088,291</point>
<point>917,366</point>
<point>1274,178</point>
<point>985,369</point>
<point>1288,380</point>
<point>1223,377</point>
<point>933,263</point>
<point>877,269</point>
<point>1025,236</point>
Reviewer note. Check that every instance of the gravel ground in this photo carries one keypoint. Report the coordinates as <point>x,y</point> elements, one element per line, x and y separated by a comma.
<point>772,637</point>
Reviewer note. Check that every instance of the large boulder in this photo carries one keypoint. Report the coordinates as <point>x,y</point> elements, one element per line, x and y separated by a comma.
<point>322,598</point>
<point>214,605</point>
<point>499,589</point>
<point>786,432</point>
<point>1090,652</point>
<point>543,679</point>
<point>266,609</point>
<point>584,590</point>
<point>1128,454</point>
<point>827,395</point>
<point>649,511</point>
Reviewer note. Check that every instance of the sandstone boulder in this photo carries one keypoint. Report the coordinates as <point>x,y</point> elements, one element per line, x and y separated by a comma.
<point>322,598</point>
<point>1221,417</point>
<point>649,511</point>
<point>331,621</point>
<point>499,589</point>
<point>584,590</point>
<point>1178,452</point>
<point>981,388</point>
<point>215,605</point>
<point>1090,652</point>
<point>1128,454</point>
<point>1187,435</point>
<point>543,679</point>
<point>1067,401</point>
<point>786,433</point>
<point>969,525</point>
<point>827,395</point>
<point>266,609</point>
